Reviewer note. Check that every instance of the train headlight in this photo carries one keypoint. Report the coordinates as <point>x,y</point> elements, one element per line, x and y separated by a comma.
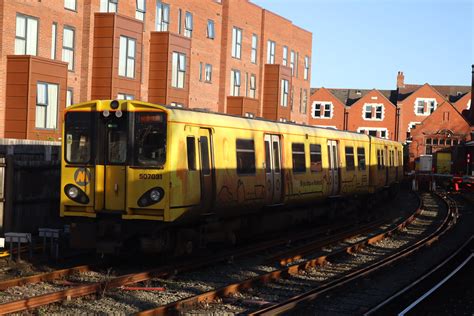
<point>155,195</point>
<point>76,194</point>
<point>151,197</point>
<point>73,192</point>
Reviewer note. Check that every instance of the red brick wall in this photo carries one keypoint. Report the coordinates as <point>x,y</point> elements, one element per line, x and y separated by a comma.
<point>407,108</point>
<point>338,109</point>
<point>462,103</point>
<point>355,118</point>
<point>272,109</point>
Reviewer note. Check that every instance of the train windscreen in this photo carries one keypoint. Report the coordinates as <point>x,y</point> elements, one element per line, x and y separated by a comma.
<point>78,134</point>
<point>150,139</point>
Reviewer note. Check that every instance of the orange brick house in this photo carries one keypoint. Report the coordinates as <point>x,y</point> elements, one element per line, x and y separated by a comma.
<point>326,110</point>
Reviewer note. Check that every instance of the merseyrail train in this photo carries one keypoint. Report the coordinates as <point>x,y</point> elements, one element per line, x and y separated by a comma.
<point>168,178</point>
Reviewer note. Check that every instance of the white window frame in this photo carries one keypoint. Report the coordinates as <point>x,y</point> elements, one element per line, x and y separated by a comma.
<point>178,75</point>
<point>285,89</point>
<point>26,44</point>
<point>426,106</point>
<point>47,107</point>
<point>68,51</point>
<point>292,62</point>
<point>253,86</point>
<point>162,17</point>
<point>285,55</point>
<point>236,42</point>
<point>412,125</point>
<point>211,30</point>
<point>235,82</point>
<point>378,130</point>
<point>126,59</point>
<point>188,24</point>
<point>208,73</point>
<point>468,107</point>
<point>140,9</point>
<point>110,6</point>
<point>69,97</point>
<point>176,104</point>
<point>125,96</point>
<point>323,107</point>
<point>253,55</point>
<point>271,52</point>
<point>70,5</point>
<point>372,108</point>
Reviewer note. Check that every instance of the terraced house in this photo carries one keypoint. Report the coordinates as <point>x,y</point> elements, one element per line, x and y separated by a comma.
<point>228,56</point>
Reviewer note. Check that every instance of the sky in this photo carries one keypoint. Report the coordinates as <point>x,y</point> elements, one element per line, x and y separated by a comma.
<point>364,43</point>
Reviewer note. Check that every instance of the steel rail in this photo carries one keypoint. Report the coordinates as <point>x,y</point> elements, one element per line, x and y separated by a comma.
<point>297,301</point>
<point>271,276</point>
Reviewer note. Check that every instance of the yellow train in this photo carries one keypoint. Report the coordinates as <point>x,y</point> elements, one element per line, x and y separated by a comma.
<point>170,176</point>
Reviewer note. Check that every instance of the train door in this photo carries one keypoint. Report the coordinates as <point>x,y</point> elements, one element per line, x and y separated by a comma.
<point>386,164</point>
<point>273,169</point>
<point>116,135</point>
<point>206,164</point>
<point>334,176</point>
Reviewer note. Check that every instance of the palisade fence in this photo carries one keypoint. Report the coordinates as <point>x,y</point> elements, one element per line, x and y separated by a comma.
<point>29,185</point>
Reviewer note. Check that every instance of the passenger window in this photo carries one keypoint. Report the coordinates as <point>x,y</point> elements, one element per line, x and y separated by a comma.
<point>268,162</point>
<point>299,161</point>
<point>205,167</point>
<point>245,156</point>
<point>350,158</point>
<point>191,147</point>
<point>315,157</point>
<point>361,158</point>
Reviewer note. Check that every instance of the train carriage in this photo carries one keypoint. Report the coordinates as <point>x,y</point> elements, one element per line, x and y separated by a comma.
<point>130,163</point>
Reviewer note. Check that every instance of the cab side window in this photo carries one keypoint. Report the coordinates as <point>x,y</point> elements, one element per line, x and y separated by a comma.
<point>315,157</point>
<point>245,156</point>
<point>191,149</point>
<point>361,158</point>
<point>298,155</point>
<point>350,158</point>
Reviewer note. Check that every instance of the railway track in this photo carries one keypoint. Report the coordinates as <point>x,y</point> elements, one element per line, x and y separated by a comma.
<point>222,294</point>
<point>81,290</point>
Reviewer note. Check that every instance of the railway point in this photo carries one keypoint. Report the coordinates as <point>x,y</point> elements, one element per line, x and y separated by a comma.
<point>233,157</point>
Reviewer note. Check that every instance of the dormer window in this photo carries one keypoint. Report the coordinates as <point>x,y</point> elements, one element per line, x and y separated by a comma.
<point>322,110</point>
<point>372,111</point>
<point>425,106</point>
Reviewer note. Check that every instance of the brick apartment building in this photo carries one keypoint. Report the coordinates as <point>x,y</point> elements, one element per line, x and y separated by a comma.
<point>229,56</point>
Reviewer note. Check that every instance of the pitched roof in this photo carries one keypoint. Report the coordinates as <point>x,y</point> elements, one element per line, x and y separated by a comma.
<point>451,93</point>
<point>351,96</point>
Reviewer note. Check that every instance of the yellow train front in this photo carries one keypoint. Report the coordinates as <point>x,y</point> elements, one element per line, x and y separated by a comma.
<point>134,171</point>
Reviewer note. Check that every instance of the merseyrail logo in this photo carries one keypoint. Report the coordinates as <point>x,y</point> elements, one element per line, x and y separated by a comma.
<point>82,176</point>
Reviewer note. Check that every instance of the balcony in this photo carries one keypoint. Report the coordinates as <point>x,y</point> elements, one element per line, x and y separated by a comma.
<point>243,106</point>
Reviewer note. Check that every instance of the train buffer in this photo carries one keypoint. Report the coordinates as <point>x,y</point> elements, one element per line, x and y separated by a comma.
<point>50,236</point>
<point>13,238</point>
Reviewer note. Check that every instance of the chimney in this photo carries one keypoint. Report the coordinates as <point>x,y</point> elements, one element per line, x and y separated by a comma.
<point>400,80</point>
<point>471,111</point>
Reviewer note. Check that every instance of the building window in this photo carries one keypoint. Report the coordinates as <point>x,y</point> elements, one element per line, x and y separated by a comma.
<point>425,106</point>
<point>383,134</point>
<point>178,70</point>
<point>292,98</point>
<point>46,105</point>
<point>316,110</point>
<point>327,110</point>
<point>298,155</point>
<point>284,92</point>
<point>296,63</point>
<point>124,96</point>
<point>245,156</point>
<point>315,157</point>
<point>162,17</point>
<point>285,56</point>
<point>249,115</point>
<point>127,57</point>
<point>435,141</point>
<point>292,62</point>
<point>210,29</point>
<point>108,6</point>
<point>236,42</point>
<point>235,83</point>
<point>68,47</point>
<point>271,52</point>
<point>361,158</point>
<point>322,110</point>
<point>306,68</point>
<point>304,101</point>
<point>188,25</point>
<point>141,10</point>
<point>26,36</point>
<point>69,97</point>
<point>208,73</point>
<point>180,26</point>
<point>373,112</point>
<point>350,158</point>
<point>177,105</point>
<point>70,5</point>
<point>200,71</point>
<point>54,35</point>
<point>253,86</point>
<point>428,141</point>
<point>253,56</point>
